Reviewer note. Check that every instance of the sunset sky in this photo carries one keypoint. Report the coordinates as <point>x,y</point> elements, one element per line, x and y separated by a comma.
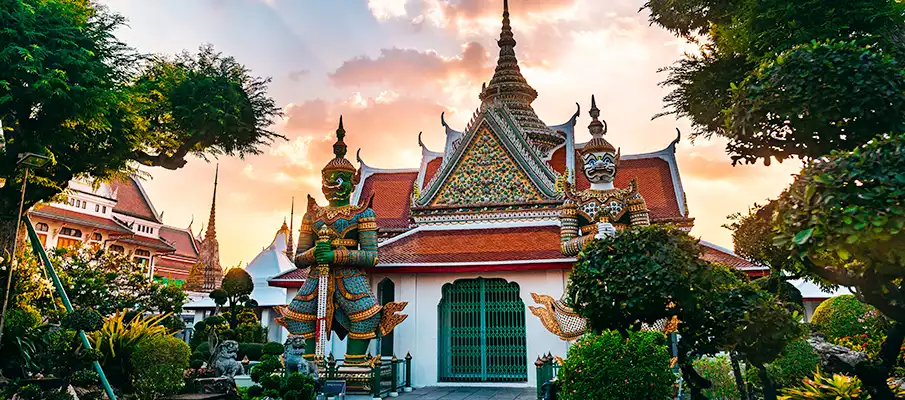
<point>390,67</point>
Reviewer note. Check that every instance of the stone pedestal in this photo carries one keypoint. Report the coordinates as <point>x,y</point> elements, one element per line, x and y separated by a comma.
<point>218,386</point>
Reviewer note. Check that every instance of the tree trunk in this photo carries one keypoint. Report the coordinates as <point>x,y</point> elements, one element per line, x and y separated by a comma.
<point>696,382</point>
<point>873,376</point>
<point>769,389</point>
<point>889,351</point>
<point>737,371</point>
<point>8,237</point>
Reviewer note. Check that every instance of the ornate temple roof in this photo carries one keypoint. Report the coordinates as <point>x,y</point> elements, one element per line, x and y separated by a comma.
<point>509,87</point>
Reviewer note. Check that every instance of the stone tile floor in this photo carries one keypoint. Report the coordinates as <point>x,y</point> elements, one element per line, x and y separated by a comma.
<point>470,393</point>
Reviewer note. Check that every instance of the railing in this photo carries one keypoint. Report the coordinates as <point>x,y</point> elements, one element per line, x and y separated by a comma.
<point>547,370</point>
<point>387,376</point>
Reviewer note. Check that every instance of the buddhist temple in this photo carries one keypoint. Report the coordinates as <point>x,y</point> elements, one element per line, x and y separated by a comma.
<point>468,235</point>
<point>207,273</point>
<point>118,216</point>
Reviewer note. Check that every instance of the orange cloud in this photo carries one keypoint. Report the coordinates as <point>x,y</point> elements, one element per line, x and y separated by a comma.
<point>411,69</point>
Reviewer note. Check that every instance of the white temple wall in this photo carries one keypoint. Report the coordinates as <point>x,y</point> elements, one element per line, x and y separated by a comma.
<point>419,334</point>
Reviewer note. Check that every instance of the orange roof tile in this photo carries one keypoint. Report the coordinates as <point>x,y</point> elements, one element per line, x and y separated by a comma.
<point>181,239</point>
<point>151,243</point>
<point>721,256</point>
<point>77,218</point>
<point>392,193</point>
<point>654,182</point>
<point>131,201</point>
<point>173,263</point>
<point>474,245</point>
<point>431,169</point>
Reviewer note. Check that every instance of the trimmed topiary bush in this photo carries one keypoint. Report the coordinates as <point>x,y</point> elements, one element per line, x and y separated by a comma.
<point>86,320</point>
<point>251,350</point>
<point>273,348</point>
<point>841,316</point>
<point>607,366</point>
<point>797,361</point>
<point>159,364</point>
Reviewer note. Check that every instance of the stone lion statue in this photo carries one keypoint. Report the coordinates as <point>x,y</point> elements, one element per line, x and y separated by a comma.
<point>293,360</point>
<point>225,359</point>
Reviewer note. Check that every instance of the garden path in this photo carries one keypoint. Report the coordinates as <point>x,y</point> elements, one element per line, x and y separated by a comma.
<point>470,393</point>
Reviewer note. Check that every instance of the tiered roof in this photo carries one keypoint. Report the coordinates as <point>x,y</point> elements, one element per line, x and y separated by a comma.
<point>490,199</point>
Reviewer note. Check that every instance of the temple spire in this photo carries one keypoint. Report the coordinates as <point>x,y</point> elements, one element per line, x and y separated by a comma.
<point>211,228</point>
<point>509,87</point>
<point>290,250</point>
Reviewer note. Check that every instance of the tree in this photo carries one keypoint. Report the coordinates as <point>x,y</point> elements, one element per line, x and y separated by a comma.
<point>611,283</point>
<point>237,286</point>
<point>783,79</point>
<point>844,216</point>
<point>70,90</point>
<point>646,274</point>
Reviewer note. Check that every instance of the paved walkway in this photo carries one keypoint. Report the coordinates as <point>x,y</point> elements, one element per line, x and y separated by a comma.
<point>467,393</point>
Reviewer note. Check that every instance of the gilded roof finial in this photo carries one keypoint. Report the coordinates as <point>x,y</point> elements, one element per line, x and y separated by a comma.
<point>339,148</point>
<point>597,128</point>
<point>339,162</point>
<point>211,225</point>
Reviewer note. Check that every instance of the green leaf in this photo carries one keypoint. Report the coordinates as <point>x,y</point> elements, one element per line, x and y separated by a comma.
<point>803,236</point>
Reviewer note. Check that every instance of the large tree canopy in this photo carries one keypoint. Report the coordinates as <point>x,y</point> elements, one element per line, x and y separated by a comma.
<point>70,90</point>
<point>782,79</point>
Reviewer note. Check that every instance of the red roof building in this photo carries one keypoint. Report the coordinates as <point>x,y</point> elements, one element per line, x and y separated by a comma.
<point>118,216</point>
<point>469,236</point>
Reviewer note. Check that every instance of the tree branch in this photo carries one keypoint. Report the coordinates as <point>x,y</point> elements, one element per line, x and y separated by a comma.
<point>829,274</point>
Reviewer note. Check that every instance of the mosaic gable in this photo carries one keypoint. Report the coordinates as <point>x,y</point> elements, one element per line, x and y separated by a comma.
<point>486,174</point>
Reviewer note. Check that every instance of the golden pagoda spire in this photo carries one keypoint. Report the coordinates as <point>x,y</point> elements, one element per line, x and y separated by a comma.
<point>290,245</point>
<point>211,229</point>
<point>509,87</point>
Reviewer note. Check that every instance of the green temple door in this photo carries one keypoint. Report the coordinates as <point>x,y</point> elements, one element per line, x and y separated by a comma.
<point>482,332</point>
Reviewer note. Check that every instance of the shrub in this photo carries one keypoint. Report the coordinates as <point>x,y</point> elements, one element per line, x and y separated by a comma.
<point>250,350</point>
<point>255,391</point>
<point>22,319</point>
<point>607,366</point>
<point>844,315</point>
<point>273,348</point>
<point>117,340</point>
<point>85,319</point>
<point>297,387</point>
<point>718,370</point>
<point>84,378</point>
<point>251,333</point>
<point>797,361</point>
<point>837,387</point>
<point>159,364</point>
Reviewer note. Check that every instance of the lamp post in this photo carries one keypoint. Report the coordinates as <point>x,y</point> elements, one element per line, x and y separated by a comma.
<point>26,161</point>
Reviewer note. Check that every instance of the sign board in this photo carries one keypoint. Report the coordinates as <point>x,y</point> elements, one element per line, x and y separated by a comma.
<point>334,387</point>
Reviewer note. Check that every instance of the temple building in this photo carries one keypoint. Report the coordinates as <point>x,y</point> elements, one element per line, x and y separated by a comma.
<point>118,216</point>
<point>272,261</point>
<point>468,235</point>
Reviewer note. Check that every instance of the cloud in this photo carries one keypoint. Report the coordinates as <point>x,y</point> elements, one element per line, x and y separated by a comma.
<point>298,74</point>
<point>386,9</point>
<point>248,171</point>
<point>412,69</point>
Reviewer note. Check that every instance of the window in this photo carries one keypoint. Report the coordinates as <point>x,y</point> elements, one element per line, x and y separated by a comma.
<point>71,232</point>
<point>142,257</point>
<point>84,204</point>
<point>97,208</point>
<point>97,236</point>
<point>150,230</point>
<point>42,227</point>
<point>117,249</point>
<point>104,209</point>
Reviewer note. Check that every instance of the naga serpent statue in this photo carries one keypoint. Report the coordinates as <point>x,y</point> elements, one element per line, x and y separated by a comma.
<point>336,242</point>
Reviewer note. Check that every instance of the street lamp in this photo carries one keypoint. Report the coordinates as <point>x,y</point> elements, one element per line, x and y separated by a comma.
<point>27,161</point>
